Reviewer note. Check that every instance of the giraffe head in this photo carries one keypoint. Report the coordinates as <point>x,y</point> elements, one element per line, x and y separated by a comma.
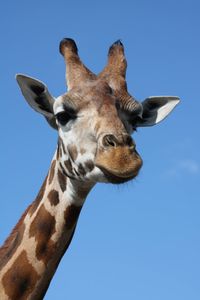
<point>96,117</point>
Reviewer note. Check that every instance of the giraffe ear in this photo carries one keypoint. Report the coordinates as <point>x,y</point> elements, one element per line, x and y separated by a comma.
<point>156,109</point>
<point>38,97</point>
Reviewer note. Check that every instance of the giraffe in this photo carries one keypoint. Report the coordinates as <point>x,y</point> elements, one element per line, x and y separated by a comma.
<point>94,120</point>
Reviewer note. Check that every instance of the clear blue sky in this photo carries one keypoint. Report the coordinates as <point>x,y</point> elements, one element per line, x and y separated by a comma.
<point>137,241</point>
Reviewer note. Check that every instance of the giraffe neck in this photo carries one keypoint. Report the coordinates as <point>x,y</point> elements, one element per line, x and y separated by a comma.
<point>31,254</point>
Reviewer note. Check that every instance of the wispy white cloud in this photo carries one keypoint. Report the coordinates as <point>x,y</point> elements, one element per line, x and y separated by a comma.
<point>189,165</point>
<point>184,167</point>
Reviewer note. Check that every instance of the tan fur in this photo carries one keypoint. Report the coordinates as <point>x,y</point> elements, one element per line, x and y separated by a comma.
<point>73,152</point>
<point>52,171</point>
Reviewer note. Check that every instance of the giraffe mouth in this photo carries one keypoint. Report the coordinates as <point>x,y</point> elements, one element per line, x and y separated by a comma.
<point>115,178</point>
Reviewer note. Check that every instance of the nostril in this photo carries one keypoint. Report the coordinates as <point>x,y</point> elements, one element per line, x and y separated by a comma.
<point>109,140</point>
<point>111,143</point>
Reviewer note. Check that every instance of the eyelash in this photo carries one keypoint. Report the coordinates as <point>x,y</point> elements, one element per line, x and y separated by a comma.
<point>64,117</point>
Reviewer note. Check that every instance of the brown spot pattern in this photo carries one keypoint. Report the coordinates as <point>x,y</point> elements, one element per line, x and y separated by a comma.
<point>60,152</point>
<point>82,151</point>
<point>71,216</point>
<point>20,280</point>
<point>53,197</point>
<point>42,228</point>
<point>89,164</point>
<point>63,170</point>
<point>81,170</point>
<point>73,152</point>
<point>62,181</point>
<point>52,171</point>
<point>76,172</point>
<point>68,165</point>
<point>63,146</point>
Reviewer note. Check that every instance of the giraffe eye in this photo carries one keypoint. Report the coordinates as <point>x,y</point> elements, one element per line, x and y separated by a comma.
<point>64,117</point>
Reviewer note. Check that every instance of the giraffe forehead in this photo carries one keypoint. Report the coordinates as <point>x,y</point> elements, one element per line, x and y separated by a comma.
<point>92,95</point>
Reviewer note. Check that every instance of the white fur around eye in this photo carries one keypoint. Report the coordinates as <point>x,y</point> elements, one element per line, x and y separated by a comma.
<point>59,109</point>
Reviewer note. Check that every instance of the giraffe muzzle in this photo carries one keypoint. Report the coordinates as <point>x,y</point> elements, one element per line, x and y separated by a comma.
<point>117,158</point>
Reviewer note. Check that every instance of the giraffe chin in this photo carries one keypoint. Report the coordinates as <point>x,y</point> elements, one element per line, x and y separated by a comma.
<point>115,179</point>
